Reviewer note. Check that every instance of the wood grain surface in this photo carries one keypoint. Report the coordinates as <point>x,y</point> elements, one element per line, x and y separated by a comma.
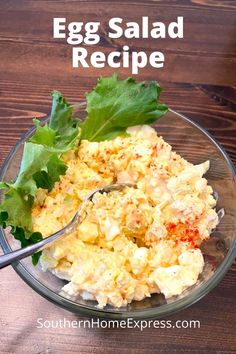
<point>199,79</point>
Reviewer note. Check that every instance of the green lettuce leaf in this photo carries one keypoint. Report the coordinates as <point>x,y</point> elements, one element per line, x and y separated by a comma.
<point>35,158</point>
<point>17,206</point>
<point>43,135</point>
<point>115,105</point>
<point>55,169</point>
<point>63,123</point>
<point>61,113</point>
<point>41,167</point>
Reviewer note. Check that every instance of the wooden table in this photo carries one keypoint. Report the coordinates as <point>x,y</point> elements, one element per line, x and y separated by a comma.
<point>199,78</point>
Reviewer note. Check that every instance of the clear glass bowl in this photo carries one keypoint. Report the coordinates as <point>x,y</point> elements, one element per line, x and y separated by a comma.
<point>195,145</point>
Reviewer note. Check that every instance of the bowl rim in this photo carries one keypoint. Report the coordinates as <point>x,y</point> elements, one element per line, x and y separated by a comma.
<point>150,313</point>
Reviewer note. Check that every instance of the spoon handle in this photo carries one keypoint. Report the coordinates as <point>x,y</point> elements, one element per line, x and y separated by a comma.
<point>13,256</point>
<point>17,255</point>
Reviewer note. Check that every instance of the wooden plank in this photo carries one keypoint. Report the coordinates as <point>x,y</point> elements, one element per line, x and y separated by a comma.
<point>198,80</point>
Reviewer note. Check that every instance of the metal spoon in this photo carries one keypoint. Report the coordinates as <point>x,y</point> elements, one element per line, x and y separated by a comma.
<point>8,258</point>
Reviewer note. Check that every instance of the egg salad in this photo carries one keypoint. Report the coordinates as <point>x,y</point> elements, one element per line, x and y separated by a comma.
<point>133,242</point>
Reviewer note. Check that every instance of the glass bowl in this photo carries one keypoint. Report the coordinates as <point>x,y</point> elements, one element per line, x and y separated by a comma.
<point>194,144</point>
